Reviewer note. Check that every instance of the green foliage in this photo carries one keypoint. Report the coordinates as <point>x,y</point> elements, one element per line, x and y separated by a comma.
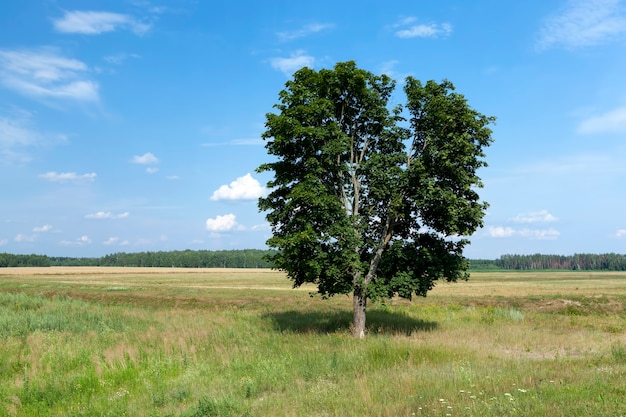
<point>368,198</point>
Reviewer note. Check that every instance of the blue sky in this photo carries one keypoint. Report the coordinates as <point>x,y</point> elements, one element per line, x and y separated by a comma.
<point>134,125</point>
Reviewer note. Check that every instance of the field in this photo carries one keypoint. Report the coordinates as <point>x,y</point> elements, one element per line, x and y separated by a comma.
<point>213,342</point>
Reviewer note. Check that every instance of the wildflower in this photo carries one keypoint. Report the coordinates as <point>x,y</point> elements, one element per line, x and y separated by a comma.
<point>521,390</point>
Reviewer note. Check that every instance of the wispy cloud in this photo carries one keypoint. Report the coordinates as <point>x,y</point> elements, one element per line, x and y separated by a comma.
<point>95,23</point>
<point>613,121</point>
<point>297,60</point>
<point>81,241</point>
<point>236,142</point>
<point>243,188</point>
<point>541,216</point>
<point>103,215</point>
<point>119,59</point>
<point>42,229</point>
<point>533,234</point>
<point>65,177</point>
<point>45,74</point>
<point>304,31</point>
<point>620,233</point>
<point>584,23</point>
<point>22,238</point>
<point>113,240</point>
<point>17,135</point>
<point>406,28</point>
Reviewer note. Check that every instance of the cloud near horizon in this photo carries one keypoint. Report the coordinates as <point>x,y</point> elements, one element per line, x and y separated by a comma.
<point>533,234</point>
<point>81,241</point>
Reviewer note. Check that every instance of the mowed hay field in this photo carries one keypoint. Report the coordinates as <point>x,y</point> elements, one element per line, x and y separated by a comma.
<point>215,342</point>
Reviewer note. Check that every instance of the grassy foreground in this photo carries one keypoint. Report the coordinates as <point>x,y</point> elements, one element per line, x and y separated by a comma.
<point>170,342</point>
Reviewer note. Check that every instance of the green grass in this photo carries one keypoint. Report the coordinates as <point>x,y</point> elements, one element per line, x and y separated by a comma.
<point>227,343</point>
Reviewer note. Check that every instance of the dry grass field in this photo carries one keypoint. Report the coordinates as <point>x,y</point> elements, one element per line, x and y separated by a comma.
<point>216,342</point>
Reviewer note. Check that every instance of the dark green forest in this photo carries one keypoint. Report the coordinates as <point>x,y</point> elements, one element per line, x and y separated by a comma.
<point>581,261</point>
<point>255,258</point>
<point>246,258</point>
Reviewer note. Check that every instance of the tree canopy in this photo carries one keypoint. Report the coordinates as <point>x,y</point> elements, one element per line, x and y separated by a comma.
<point>367,198</point>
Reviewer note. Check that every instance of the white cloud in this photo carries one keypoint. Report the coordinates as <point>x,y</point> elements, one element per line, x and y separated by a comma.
<point>42,229</point>
<point>304,31</point>
<point>296,61</point>
<point>81,241</point>
<point>223,223</point>
<point>152,170</point>
<point>588,164</point>
<point>102,215</point>
<point>243,188</point>
<point>620,233</point>
<point>45,74</point>
<point>406,29</point>
<point>119,59</point>
<point>433,30</point>
<point>584,23</point>
<point>500,231</point>
<point>64,177</point>
<point>539,234</point>
<point>3,242</point>
<point>15,135</point>
<point>113,240</point>
<point>146,159</point>
<point>25,238</point>
<point>534,234</point>
<point>613,121</point>
<point>94,23</point>
<point>541,216</point>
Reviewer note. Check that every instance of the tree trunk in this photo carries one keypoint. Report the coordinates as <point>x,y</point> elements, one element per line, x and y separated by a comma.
<point>359,302</point>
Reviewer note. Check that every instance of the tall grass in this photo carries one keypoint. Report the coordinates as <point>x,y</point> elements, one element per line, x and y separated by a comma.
<point>178,349</point>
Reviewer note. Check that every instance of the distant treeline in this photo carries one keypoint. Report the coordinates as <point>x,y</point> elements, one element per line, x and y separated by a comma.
<point>9,260</point>
<point>255,258</point>
<point>581,261</point>
<point>247,258</point>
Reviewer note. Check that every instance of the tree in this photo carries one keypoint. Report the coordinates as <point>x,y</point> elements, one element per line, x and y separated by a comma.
<point>370,199</point>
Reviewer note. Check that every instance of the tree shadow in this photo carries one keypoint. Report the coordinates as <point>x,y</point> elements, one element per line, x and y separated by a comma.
<point>325,322</point>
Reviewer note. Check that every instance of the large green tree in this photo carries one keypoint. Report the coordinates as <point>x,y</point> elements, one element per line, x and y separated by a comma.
<point>368,199</point>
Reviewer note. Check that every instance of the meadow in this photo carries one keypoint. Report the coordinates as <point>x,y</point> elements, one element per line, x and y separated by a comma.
<point>216,342</point>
